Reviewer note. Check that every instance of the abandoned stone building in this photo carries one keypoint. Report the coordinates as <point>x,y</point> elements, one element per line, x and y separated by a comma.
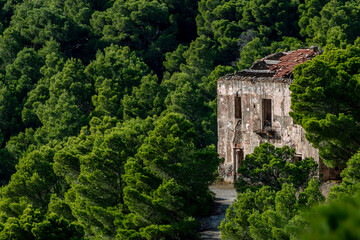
<point>253,108</point>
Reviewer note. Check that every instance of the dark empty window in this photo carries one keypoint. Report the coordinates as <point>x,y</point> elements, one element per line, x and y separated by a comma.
<point>239,157</point>
<point>238,160</point>
<point>297,158</point>
<point>266,112</point>
<point>237,106</point>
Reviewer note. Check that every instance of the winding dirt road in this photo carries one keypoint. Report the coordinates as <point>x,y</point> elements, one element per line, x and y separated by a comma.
<point>225,194</point>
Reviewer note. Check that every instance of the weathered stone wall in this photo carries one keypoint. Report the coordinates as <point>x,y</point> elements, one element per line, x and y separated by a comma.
<point>247,133</point>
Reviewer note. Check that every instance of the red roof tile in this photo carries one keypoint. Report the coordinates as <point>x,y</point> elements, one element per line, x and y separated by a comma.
<point>287,63</point>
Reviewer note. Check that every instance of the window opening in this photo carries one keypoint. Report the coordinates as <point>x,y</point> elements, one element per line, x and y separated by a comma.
<point>239,157</point>
<point>266,112</point>
<point>238,160</point>
<point>297,158</point>
<point>237,106</point>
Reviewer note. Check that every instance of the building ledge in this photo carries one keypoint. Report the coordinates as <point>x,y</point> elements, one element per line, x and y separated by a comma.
<point>266,132</point>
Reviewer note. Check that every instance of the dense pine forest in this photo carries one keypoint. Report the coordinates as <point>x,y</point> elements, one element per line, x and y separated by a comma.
<point>108,125</point>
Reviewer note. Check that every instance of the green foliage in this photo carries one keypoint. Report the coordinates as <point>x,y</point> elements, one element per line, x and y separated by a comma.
<point>7,10</point>
<point>200,57</point>
<point>209,84</point>
<point>145,100</point>
<point>175,59</point>
<point>7,166</point>
<point>72,120</point>
<point>68,105</point>
<point>113,74</point>
<point>234,24</point>
<point>32,224</point>
<point>24,72</point>
<point>15,149</point>
<point>8,114</point>
<point>19,78</point>
<point>257,48</point>
<point>145,26</point>
<point>268,214</point>
<point>330,22</point>
<point>34,23</point>
<point>271,166</point>
<point>33,181</point>
<point>270,18</point>
<point>350,179</point>
<point>93,166</point>
<point>167,181</point>
<point>187,98</point>
<point>108,110</point>
<point>324,101</point>
<point>336,220</point>
<point>236,225</point>
<point>309,9</point>
<point>311,195</point>
<point>267,206</point>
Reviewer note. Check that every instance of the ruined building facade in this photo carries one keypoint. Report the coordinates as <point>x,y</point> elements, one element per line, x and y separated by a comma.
<point>253,108</point>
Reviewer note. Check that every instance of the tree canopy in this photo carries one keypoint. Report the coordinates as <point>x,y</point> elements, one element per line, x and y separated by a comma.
<point>108,110</point>
<point>324,101</point>
<point>271,166</point>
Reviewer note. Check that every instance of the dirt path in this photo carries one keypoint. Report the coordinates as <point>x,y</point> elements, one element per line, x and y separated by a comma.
<point>225,194</point>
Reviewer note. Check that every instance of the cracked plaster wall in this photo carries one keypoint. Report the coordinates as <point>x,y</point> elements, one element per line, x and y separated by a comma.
<point>239,133</point>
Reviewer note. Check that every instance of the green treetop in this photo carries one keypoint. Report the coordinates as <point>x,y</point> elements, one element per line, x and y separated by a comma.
<point>324,101</point>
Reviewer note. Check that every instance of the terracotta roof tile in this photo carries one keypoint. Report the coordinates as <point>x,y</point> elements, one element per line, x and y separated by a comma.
<point>277,66</point>
<point>287,63</point>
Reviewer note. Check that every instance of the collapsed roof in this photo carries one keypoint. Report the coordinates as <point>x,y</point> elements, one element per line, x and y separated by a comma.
<point>279,65</point>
